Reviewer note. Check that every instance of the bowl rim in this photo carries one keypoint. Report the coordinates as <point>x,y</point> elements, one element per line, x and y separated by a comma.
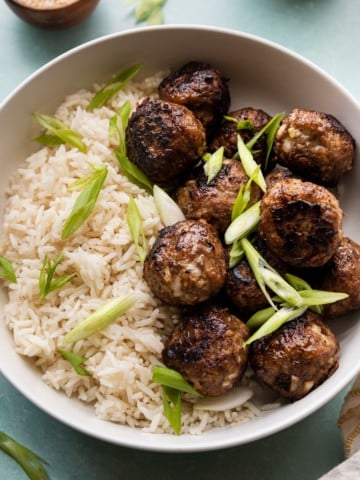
<point>183,445</point>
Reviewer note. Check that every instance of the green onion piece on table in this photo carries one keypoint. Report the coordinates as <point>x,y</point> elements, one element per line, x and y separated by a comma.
<point>249,164</point>
<point>76,362</point>
<point>213,164</point>
<point>7,270</point>
<point>150,11</point>
<point>30,462</point>
<point>101,318</point>
<point>136,229</point>
<point>47,283</point>
<point>113,86</point>
<point>61,133</point>
<point>243,224</point>
<point>168,210</point>
<point>86,200</point>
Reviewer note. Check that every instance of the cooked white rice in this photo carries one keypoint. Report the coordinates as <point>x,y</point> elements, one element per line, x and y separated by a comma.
<point>121,357</point>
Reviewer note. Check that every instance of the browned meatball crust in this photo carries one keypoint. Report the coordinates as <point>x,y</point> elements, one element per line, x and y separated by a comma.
<point>301,222</point>
<point>297,357</point>
<point>214,201</point>
<point>226,135</point>
<point>241,286</point>
<point>342,274</point>
<point>277,175</point>
<point>164,140</point>
<point>187,264</point>
<point>314,145</point>
<point>206,348</point>
<point>201,88</point>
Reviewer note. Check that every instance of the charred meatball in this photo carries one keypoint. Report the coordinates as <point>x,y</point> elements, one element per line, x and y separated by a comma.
<point>278,175</point>
<point>226,135</point>
<point>314,145</point>
<point>241,286</point>
<point>342,274</point>
<point>164,140</point>
<point>199,87</point>
<point>297,357</point>
<point>206,348</point>
<point>187,264</point>
<point>214,201</point>
<point>301,222</point>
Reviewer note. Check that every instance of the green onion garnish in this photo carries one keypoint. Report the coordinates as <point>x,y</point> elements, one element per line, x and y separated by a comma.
<point>243,224</point>
<point>30,462</point>
<point>320,297</point>
<point>7,270</point>
<point>172,378</point>
<point>213,164</point>
<point>249,164</point>
<point>122,115</point>
<point>61,133</point>
<point>241,124</point>
<point>301,284</point>
<point>76,362</point>
<point>101,318</point>
<point>270,130</point>
<point>168,210</point>
<point>47,283</point>
<point>113,86</point>
<point>172,383</point>
<point>85,202</point>
<point>133,173</point>
<point>136,229</point>
<point>260,317</point>
<point>285,314</point>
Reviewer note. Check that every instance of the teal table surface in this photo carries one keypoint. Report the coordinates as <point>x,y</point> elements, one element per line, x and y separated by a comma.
<point>324,31</point>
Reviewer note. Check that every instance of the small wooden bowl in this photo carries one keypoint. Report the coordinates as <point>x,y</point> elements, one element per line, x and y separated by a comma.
<point>65,14</point>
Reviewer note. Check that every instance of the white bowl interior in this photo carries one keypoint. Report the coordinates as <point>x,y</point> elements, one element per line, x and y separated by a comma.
<point>261,75</point>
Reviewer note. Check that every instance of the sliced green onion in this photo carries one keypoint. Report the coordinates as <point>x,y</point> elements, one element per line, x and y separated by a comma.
<point>241,124</point>
<point>285,314</point>
<point>60,131</point>
<point>85,202</point>
<point>243,197</point>
<point>172,378</point>
<point>321,297</point>
<point>133,173</point>
<point>136,229</point>
<point>301,284</point>
<point>233,398</point>
<point>150,11</point>
<point>280,286</point>
<point>121,115</point>
<point>236,253</point>
<point>47,283</point>
<point>270,129</point>
<point>213,164</point>
<point>76,362</point>
<point>30,462</point>
<point>172,407</point>
<point>7,270</point>
<point>260,317</point>
<point>168,210</point>
<point>49,140</point>
<point>249,164</point>
<point>113,86</point>
<point>101,318</point>
<point>243,224</point>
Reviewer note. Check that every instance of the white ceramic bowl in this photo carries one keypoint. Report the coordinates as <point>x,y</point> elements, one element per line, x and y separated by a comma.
<point>262,75</point>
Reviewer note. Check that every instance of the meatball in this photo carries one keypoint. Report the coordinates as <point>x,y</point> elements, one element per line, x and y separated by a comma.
<point>214,201</point>
<point>164,140</point>
<point>199,87</point>
<point>301,222</point>
<point>342,274</point>
<point>278,175</point>
<point>314,145</point>
<point>241,286</point>
<point>226,135</point>
<point>206,348</point>
<point>297,357</point>
<point>187,263</point>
